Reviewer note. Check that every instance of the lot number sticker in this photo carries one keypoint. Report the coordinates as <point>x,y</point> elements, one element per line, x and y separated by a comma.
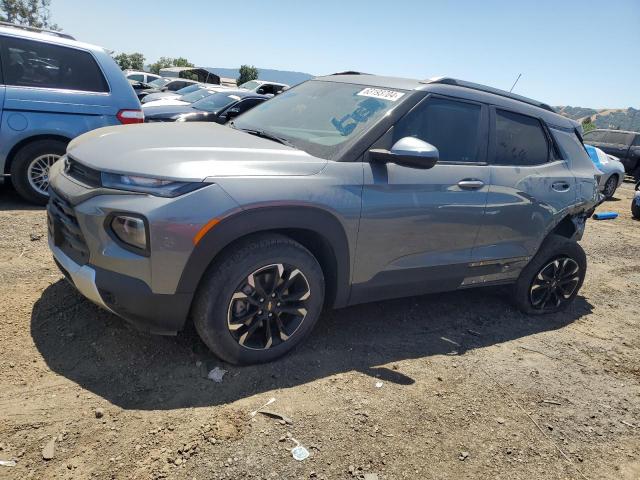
<point>381,93</point>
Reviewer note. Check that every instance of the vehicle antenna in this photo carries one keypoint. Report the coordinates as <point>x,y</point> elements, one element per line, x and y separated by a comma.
<point>514,83</point>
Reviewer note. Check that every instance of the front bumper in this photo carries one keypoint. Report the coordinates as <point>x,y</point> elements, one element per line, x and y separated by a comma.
<point>127,297</point>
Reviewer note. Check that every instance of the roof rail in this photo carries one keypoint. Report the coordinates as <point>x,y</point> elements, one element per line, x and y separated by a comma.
<point>484,88</point>
<point>37,30</point>
<point>350,72</point>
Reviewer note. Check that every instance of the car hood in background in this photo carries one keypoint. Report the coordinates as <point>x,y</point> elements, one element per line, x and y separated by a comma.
<point>163,101</point>
<point>167,110</point>
<point>188,151</point>
<point>158,95</point>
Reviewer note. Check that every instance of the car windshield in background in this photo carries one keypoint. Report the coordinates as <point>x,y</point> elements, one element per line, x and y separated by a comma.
<point>321,118</point>
<point>159,82</point>
<point>189,89</point>
<point>250,85</point>
<point>197,95</point>
<point>216,102</point>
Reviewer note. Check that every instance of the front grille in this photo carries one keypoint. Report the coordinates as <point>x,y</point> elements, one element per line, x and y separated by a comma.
<point>64,229</point>
<point>82,173</point>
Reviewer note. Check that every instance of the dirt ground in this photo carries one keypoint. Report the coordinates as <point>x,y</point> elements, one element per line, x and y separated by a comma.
<point>470,388</point>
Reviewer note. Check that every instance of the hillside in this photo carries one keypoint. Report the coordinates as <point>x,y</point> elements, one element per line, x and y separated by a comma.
<point>281,76</point>
<point>614,118</point>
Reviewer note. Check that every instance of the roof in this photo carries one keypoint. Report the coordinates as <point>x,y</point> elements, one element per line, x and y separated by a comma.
<point>204,74</point>
<point>460,88</point>
<point>45,36</point>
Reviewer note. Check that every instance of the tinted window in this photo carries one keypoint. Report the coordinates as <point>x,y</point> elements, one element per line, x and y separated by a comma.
<point>174,86</point>
<point>570,145</point>
<point>35,64</point>
<point>216,102</point>
<point>520,140</point>
<point>594,136</point>
<point>138,77</point>
<point>248,104</point>
<point>452,127</point>
<point>618,138</point>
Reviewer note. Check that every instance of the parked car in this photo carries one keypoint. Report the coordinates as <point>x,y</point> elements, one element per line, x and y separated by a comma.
<point>264,88</point>
<point>139,88</point>
<point>621,144</point>
<point>344,189</point>
<point>166,84</point>
<point>169,94</point>
<point>138,76</point>
<point>611,168</point>
<point>635,203</point>
<point>54,89</point>
<point>187,99</point>
<point>219,107</point>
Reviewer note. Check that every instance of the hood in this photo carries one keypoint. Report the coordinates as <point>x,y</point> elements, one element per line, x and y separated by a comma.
<point>158,95</point>
<point>167,111</point>
<point>189,152</point>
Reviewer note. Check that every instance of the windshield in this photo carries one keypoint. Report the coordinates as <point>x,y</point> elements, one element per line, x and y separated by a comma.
<point>197,95</point>
<point>216,102</point>
<point>251,85</point>
<point>160,82</point>
<point>189,89</point>
<point>321,118</point>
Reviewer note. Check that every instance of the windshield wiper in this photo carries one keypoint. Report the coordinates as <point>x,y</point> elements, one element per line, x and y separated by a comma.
<point>267,135</point>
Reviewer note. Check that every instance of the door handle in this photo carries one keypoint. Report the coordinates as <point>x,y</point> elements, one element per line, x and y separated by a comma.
<point>470,184</point>
<point>560,186</point>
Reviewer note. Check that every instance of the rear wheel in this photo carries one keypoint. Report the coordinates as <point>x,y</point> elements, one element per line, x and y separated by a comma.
<point>30,169</point>
<point>259,300</point>
<point>551,281</point>
<point>610,186</point>
<point>635,208</point>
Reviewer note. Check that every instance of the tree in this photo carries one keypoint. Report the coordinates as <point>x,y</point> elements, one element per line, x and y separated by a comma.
<point>247,73</point>
<point>32,13</point>
<point>588,125</point>
<point>130,61</point>
<point>165,62</point>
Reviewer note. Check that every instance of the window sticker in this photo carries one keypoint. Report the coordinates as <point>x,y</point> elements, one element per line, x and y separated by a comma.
<point>382,94</point>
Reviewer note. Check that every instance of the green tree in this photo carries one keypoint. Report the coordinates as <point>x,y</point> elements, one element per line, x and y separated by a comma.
<point>247,73</point>
<point>133,61</point>
<point>32,13</point>
<point>588,125</point>
<point>165,62</point>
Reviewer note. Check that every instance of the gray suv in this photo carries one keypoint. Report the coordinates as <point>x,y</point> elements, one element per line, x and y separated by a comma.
<point>345,189</point>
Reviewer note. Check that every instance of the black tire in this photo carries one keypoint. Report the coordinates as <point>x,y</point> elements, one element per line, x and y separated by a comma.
<point>24,158</point>
<point>610,187</point>
<point>229,277</point>
<point>555,248</point>
<point>635,209</point>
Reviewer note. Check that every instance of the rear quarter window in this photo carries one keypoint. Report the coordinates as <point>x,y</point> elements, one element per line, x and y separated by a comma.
<point>571,148</point>
<point>27,63</point>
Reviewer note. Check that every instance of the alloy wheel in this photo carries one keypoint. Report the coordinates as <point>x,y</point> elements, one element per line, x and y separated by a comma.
<point>554,284</point>
<point>38,172</point>
<point>610,187</point>
<point>268,307</point>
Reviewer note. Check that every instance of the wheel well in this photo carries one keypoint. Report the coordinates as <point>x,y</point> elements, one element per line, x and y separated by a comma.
<point>24,142</point>
<point>566,228</point>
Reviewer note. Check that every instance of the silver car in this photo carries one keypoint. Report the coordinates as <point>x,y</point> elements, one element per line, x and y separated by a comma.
<point>344,189</point>
<point>612,170</point>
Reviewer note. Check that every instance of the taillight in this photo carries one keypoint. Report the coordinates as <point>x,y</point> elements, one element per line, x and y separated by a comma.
<point>127,117</point>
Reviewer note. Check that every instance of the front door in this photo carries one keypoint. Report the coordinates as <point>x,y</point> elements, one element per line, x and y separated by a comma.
<point>418,227</point>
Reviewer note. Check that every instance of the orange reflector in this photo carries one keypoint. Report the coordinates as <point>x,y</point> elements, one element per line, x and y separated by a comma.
<point>203,231</point>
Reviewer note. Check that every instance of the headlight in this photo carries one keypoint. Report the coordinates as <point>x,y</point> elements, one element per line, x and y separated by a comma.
<point>130,230</point>
<point>152,186</point>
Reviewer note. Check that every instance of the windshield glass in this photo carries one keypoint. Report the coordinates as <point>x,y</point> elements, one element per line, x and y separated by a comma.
<point>189,89</point>
<point>216,102</point>
<point>197,95</point>
<point>322,118</point>
<point>251,85</point>
<point>160,82</point>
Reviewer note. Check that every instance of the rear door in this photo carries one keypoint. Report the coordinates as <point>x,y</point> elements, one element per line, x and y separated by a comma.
<point>530,186</point>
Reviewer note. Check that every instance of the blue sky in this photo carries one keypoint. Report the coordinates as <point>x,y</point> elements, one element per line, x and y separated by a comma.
<point>580,53</point>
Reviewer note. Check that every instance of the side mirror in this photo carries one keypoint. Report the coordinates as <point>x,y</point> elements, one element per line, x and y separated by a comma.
<point>409,152</point>
<point>233,112</point>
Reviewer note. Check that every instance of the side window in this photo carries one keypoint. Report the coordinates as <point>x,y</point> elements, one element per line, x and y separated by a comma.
<point>248,104</point>
<point>136,77</point>
<point>173,86</point>
<point>636,142</point>
<point>452,127</point>
<point>519,140</point>
<point>27,63</point>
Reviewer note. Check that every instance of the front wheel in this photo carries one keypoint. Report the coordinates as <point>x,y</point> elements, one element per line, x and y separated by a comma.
<point>635,208</point>
<point>259,300</point>
<point>610,187</point>
<point>551,281</point>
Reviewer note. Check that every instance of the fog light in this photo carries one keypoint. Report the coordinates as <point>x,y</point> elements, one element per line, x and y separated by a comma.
<point>130,230</point>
